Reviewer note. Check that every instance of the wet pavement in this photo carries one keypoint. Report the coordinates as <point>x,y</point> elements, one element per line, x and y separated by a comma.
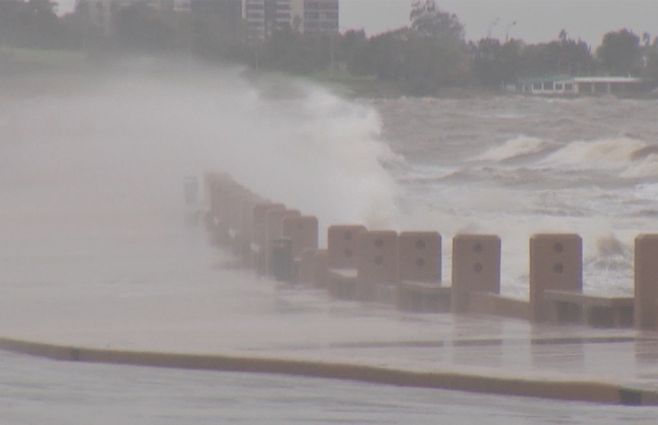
<point>180,295</point>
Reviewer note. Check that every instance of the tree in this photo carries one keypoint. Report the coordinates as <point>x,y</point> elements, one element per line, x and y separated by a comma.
<point>350,44</point>
<point>382,56</point>
<point>290,51</point>
<point>31,23</point>
<point>9,13</point>
<point>429,21</point>
<point>563,56</point>
<point>494,63</point>
<point>651,70</point>
<point>646,39</point>
<point>619,52</point>
<point>563,36</point>
<point>139,26</point>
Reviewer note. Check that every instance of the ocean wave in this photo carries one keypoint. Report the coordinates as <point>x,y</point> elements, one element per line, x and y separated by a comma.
<point>513,148</point>
<point>619,154</point>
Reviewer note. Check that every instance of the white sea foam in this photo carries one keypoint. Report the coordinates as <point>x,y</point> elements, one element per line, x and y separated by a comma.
<point>609,153</point>
<point>645,167</point>
<point>522,145</point>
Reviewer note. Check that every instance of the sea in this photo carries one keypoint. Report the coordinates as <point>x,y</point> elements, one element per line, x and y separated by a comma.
<point>93,171</point>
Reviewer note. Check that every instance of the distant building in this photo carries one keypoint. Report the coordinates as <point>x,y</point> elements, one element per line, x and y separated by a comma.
<point>260,17</point>
<point>263,17</point>
<point>320,16</point>
<point>100,13</point>
<point>574,86</point>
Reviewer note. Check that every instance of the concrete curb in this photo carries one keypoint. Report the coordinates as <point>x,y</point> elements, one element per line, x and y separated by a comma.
<point>584,391</point>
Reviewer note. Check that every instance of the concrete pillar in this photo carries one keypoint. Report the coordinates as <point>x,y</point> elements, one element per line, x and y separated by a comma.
<point>341,245</point>
<point>419,256</point>
<point>213,186</point>
<point>216,185</point>
<point>475,267</point>
<point>259,227</point>
<point>556,262</point>
<point>646,282</point>
<point>320,267</point>
<point>274,226</point>
<point>274,222</point>
<point>281,262</point>
<point>246,218</point>
<point>232,210</point>
<point>246,227</point>
<point>377,256</point>
<point>313,268</point>
<point>303,232</point>
<point>260,212</point>
<point>305,272</point>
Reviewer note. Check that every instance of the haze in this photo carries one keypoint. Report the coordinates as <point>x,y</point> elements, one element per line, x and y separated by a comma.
<point>536,20</point>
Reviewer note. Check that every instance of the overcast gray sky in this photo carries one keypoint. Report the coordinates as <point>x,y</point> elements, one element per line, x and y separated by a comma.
<point>536,20</point>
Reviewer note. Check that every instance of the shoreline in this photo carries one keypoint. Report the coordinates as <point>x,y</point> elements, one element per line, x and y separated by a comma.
<point>588,391</point>
<point>38,66</point>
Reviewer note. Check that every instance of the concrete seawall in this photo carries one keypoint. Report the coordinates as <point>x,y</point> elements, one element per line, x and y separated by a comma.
<point>572,390</point>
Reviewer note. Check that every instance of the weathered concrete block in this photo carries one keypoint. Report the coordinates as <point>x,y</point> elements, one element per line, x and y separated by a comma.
<point>305,267</point>
<point>259,217</point>
<point>259,241</point>
<point>556,263</point>
<point>281,264</point>
<point>274,230</point>
<point>274,222</point>
<point>320,268</point>
<point>419,256</point>
<point>475,267</point>
<point>377,265</point>
<point>214,183</point>
<point>303,232</point>
<point>341,245</point>
<point>246,227</point>
<point>646,282</point>
<point>245,236</point>
<point>377,256</point>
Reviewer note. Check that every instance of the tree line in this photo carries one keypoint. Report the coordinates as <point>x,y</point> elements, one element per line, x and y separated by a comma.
<point>429,54</point>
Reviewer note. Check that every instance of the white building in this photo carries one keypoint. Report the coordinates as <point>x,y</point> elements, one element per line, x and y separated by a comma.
<point>574,86</point>
<point>263,17</point>
<point>308,16</point>
<point>320,16</point>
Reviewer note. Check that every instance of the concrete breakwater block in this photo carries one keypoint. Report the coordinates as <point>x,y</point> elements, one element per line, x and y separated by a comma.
<point>556,263</point>
<point>342,260</point>
<point>377,265</point>
<point>646,282</point>
<point>475,268</point>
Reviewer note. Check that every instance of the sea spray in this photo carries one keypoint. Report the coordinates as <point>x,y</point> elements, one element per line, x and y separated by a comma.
<point>513,148</point>
<point>127,143</point>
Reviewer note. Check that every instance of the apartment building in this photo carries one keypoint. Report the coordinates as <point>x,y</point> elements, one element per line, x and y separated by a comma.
<point>320,16</point>
<point>100,13</point>
<point>309,16</point>
<point>263,17</point>
<point>260,18</point>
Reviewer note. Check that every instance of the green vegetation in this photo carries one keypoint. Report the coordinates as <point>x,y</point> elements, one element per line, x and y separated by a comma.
<point>429,56</point>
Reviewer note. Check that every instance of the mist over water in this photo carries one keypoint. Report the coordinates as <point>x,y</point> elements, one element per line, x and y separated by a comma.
<point>123,143</point>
